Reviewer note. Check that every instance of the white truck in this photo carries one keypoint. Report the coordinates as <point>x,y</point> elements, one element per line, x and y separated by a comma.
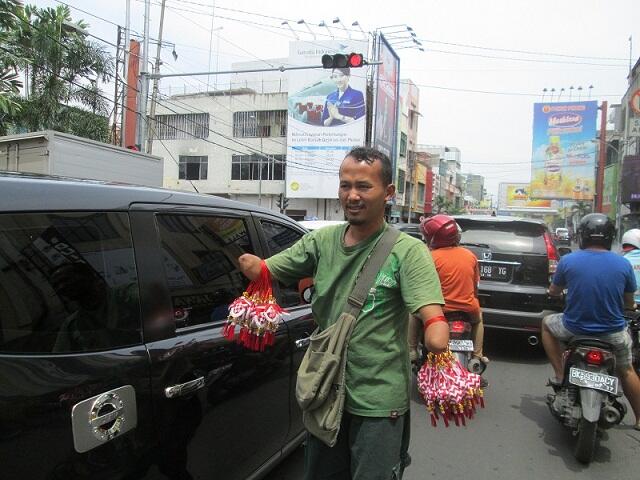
<point>60,154</point>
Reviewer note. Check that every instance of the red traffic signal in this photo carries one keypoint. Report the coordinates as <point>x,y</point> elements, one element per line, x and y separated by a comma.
<point>340,60</point>
<point>356,60</point>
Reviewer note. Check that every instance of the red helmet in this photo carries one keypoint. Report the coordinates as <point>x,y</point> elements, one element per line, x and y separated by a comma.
<point>440,231</point>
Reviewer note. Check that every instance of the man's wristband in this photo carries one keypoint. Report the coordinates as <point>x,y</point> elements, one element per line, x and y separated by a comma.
<point>432,320</point>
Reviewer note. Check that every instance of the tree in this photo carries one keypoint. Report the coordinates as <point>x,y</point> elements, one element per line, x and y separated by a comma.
<point>64,70</point>
<point>442,204</point>
<point>11,15</point>
<point>579,210</point>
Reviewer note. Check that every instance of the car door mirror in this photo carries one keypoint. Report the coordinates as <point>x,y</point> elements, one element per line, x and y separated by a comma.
<point>564,251</point>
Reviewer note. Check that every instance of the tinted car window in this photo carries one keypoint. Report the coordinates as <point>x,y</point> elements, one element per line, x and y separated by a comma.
<point>280,237</point>
<point>68,283</point>
<point>512,237</point>
<point>200,260</point>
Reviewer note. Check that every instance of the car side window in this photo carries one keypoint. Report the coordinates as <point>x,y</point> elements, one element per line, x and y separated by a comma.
<point>68,283</point>
<point>280,237</point>
<point>200,261</point>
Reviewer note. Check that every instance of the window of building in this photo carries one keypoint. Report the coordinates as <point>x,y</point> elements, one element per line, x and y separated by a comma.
<point>257,167</point>
<point>260,124</point>
<point>193,167</point>
<point>421,192</point>
<point>200,257</point>
<point>182,126</point>
<point>68,283</point>
<point>403,145</point>
<point>401,181</point>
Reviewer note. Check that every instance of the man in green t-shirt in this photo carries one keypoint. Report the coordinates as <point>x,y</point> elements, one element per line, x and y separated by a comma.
<point>373,439</point>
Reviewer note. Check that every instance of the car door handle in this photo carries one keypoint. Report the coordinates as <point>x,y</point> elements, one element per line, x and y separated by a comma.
<point>184,388</point>
<point>303,342</point>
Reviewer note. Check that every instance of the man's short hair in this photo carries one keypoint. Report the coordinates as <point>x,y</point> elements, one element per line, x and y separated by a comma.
<point>345,71</point>
<point>370,155</point>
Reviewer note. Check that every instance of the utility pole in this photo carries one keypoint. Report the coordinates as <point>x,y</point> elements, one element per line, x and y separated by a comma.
<point>114,127</point>
<point>602,157</point>
<point>154,95</point>
<point>125,75</point>
<point>144,79</point>
<point>213,16</point>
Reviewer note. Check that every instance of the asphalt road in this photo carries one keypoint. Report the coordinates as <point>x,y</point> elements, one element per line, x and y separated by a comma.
<point>514,437</point>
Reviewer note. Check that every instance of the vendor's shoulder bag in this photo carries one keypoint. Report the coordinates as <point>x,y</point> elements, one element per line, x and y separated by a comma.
<point>320,387</point>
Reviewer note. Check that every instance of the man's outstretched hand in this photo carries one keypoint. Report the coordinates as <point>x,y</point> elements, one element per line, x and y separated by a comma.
<point>250,265</point>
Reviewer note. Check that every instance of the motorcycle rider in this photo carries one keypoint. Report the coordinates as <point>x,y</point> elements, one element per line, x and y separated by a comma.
<point>631,251</point>
<point>459,276</point>
<point>600,285</point>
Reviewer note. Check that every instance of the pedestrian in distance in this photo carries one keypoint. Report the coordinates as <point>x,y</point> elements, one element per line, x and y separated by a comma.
<point>372,443</point>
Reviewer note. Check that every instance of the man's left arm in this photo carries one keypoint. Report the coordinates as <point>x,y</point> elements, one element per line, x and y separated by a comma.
<point>422,294</point>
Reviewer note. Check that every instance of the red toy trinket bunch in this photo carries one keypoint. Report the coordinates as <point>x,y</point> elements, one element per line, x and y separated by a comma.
<point>449,390</point>
<point>256,313</point>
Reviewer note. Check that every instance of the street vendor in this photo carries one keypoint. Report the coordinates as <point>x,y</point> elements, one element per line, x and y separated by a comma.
<point>374,434</point>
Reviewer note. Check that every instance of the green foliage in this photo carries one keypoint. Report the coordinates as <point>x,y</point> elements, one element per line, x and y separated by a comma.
<point>63,68</point>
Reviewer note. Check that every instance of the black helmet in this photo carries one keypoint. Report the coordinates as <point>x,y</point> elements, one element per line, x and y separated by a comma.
<point>596,230</point>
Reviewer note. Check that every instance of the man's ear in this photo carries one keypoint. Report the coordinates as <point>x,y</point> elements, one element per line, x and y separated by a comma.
<point>390,192</point>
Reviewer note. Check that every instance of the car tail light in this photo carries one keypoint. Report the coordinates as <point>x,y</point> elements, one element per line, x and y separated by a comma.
<point>552,254</point>
<point>456,326</point>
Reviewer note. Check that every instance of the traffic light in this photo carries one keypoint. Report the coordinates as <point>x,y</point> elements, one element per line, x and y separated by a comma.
<point>282,203</point>
<point>340,60</point>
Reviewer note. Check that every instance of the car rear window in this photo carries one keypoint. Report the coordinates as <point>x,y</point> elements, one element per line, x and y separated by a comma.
<point>508,237</point>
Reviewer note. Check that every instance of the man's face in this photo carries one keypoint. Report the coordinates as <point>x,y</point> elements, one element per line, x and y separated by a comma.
<point>341,80</point>
<point>362,193</point>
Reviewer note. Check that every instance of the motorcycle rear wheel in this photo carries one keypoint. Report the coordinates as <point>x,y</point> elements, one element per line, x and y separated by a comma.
<point>586,443</point>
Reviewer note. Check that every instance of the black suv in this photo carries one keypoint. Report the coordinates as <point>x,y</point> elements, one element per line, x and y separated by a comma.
<point>517,259</point>
<point>112,360</point>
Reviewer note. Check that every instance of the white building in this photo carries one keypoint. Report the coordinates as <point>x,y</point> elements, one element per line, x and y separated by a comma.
<point>232,143</point>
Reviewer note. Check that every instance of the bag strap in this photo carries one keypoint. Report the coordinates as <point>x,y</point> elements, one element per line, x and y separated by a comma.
<point>369,272</point>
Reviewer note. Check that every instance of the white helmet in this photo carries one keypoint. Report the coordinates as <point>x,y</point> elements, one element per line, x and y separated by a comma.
<point>631,237</point>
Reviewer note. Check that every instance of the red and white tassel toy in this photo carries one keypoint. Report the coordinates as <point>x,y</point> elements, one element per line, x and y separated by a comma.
<point>256,313</point>
<point>449,390</point>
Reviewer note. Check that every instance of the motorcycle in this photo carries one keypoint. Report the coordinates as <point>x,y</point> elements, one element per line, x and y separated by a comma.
<point>633,325</point>
<point>461,343</point>
<point>587,399</point>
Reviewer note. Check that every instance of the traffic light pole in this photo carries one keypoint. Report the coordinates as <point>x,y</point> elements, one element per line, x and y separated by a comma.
<point>281,68</point>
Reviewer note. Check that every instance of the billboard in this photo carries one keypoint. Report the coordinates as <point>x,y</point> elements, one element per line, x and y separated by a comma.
<point>326,117</point>
<point>387,94</point>
<point>516,196</point>
<point>564,154</point>
<point>630,188</point>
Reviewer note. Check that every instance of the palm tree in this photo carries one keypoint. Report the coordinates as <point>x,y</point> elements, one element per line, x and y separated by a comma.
<point>11,12</point>
<point>64,70</point>
<point>579,210</point>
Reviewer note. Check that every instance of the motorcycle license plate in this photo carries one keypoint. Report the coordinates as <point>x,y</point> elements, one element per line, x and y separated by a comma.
<point>595,380</point>
<point>461,345</point>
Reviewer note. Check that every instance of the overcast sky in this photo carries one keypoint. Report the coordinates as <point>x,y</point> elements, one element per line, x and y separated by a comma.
<point>493,130</point>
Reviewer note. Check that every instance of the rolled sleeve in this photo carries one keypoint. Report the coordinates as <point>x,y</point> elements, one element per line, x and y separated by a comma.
<point>296,262</point>
<point>419,281</point>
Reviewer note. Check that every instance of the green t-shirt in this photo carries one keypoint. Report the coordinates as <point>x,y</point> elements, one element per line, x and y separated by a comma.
<point>378,369</point>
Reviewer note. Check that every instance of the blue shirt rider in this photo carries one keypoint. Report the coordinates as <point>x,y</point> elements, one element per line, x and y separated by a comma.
<point>345,104</point>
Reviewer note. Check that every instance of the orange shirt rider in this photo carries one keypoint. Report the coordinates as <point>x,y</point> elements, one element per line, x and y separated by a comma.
<point>459,276</point>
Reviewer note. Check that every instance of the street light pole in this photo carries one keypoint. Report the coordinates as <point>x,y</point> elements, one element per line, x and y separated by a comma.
<point>602,157</point>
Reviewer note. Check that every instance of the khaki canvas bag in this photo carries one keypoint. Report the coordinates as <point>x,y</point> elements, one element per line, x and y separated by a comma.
<point>320,386</point>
